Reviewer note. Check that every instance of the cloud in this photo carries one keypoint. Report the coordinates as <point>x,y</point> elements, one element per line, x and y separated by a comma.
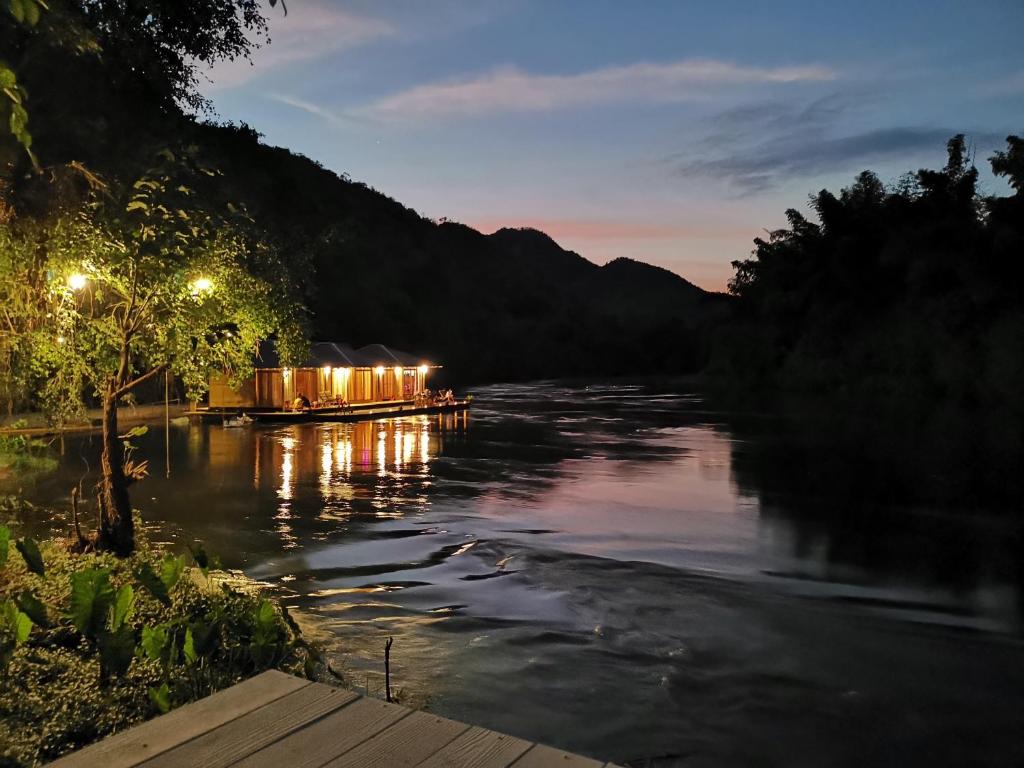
<point>327,115</point>
<point>1010,85</point>
<point>512,90</point>
<point>309,31</point>
<point>758,147</point>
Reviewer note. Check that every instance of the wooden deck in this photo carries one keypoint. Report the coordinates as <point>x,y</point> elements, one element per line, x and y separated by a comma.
<point>275,720</point>
<point>354,413</point>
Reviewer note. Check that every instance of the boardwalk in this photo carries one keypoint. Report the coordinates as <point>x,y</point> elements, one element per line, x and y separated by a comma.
<point>277,720</point>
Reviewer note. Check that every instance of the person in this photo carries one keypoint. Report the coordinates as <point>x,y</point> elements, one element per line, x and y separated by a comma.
<point>301,403</point>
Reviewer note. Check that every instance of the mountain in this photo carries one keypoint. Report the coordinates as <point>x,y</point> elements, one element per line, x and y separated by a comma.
<point>509,305</point>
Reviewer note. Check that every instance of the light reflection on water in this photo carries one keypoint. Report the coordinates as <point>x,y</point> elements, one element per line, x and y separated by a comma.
<point>594,567</point>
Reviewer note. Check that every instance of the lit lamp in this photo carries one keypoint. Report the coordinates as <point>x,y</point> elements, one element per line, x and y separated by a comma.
<point>77,281</point>
<point>379,370</point>
<point>201,285</point>
<point>423,369</point>
<point>398,370</point>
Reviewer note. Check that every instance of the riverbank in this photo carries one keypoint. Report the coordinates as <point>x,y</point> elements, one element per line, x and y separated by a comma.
<point>91,644</point>
<point>35,425</point>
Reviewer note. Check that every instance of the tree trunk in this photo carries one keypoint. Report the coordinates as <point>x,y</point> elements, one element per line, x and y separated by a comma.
<point>117,528</point>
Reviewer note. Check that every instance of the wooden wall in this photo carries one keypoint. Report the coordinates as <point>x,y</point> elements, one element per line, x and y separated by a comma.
<point>223,396</point>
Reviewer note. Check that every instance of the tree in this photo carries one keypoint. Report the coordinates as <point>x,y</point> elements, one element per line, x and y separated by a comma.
<point>140,281</point>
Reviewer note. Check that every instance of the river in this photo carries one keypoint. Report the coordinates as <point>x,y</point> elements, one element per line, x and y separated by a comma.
<point>612,570</point>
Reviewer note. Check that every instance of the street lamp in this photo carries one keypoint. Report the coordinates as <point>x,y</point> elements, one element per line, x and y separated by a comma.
<point>201,285</point>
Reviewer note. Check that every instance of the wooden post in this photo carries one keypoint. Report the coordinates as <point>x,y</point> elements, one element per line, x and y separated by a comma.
<point>167,419</point>
<point>387,667</point>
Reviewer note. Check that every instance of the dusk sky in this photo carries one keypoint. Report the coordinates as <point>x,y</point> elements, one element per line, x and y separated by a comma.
<point>670,132</point>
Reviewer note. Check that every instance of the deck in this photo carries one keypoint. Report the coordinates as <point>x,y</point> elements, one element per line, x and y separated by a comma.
<point>275,719</point>
<point>361,412</point>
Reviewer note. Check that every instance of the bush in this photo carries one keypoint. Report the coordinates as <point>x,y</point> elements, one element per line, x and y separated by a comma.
<point>92,644</point>
<point>22,454</point>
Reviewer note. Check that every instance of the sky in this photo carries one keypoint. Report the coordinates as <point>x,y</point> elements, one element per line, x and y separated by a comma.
<point>669,132</point>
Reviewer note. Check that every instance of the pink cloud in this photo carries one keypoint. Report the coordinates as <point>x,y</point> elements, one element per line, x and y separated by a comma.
<point>510,89</point>
<point>309,31</point>
<point>616,230</point>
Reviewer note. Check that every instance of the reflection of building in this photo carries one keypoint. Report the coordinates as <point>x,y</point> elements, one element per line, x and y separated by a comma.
<point>331,372</point>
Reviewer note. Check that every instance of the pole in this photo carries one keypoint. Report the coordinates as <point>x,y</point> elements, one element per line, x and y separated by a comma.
<point>387,668</point>
<point>167,419</point>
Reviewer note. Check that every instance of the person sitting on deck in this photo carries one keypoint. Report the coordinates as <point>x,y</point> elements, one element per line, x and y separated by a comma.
<point>301,403</point>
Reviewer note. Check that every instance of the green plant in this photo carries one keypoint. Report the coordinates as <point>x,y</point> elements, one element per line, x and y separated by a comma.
<point>91,643</point>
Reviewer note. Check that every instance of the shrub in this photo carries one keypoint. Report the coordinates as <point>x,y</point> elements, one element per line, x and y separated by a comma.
<point>92,644</point>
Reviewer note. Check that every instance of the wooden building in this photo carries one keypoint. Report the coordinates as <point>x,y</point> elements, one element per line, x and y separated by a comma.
<point>331,373</point>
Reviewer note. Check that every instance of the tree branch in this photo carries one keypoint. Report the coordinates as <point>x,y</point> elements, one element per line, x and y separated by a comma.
<point>139,379</point>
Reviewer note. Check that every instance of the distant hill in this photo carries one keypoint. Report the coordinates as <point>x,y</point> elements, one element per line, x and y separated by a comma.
<point>509,305</point>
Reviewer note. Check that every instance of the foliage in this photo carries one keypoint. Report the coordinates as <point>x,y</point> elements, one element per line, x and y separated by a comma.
<point>164,283</point>
<point>913,291</point>
<point>13,111</point>
<point>96,643</point>
<point>23,453</point>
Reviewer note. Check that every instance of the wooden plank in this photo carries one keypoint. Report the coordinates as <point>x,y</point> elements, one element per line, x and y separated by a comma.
<point>406,743</point>
<point>249,733</point>
<point>480,748</point>
<point>541,756</point>
<point>325,739</point>
<point>142,742</point>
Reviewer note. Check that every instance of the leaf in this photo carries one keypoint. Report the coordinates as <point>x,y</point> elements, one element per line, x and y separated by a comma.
<point>161,698</point>
<point>171,570</point>
<point>203,559</point>
<point>15,623</point>
<point>138,431</point>
<point>30,552</point>
<point>205,637</point>
<point>147,577</point>
<point>188,648</point>
<point>22,628</point>
<point>31,12</point>
<point>136,205</point>
<point>91,598</point>
<point>122,608</point>
<point>34,608</point>
<point>5,539</point>
<point>17,9</point>
<point>116,651</point>
<point>266,617</point>
<point>154,641</point>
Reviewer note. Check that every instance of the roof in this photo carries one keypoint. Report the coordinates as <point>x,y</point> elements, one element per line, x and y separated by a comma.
<point>341,355</point>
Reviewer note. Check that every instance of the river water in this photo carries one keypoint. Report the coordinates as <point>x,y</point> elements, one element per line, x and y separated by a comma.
<point>611,569</point>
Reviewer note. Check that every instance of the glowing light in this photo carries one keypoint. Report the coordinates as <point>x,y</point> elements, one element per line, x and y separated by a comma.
<point>327,370</point>
<point>423,369</point>
<point>77,281</point>
<point>398,370</point>
<point>286,372</point>
<point>201,285</point>
<point>379,370</point>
